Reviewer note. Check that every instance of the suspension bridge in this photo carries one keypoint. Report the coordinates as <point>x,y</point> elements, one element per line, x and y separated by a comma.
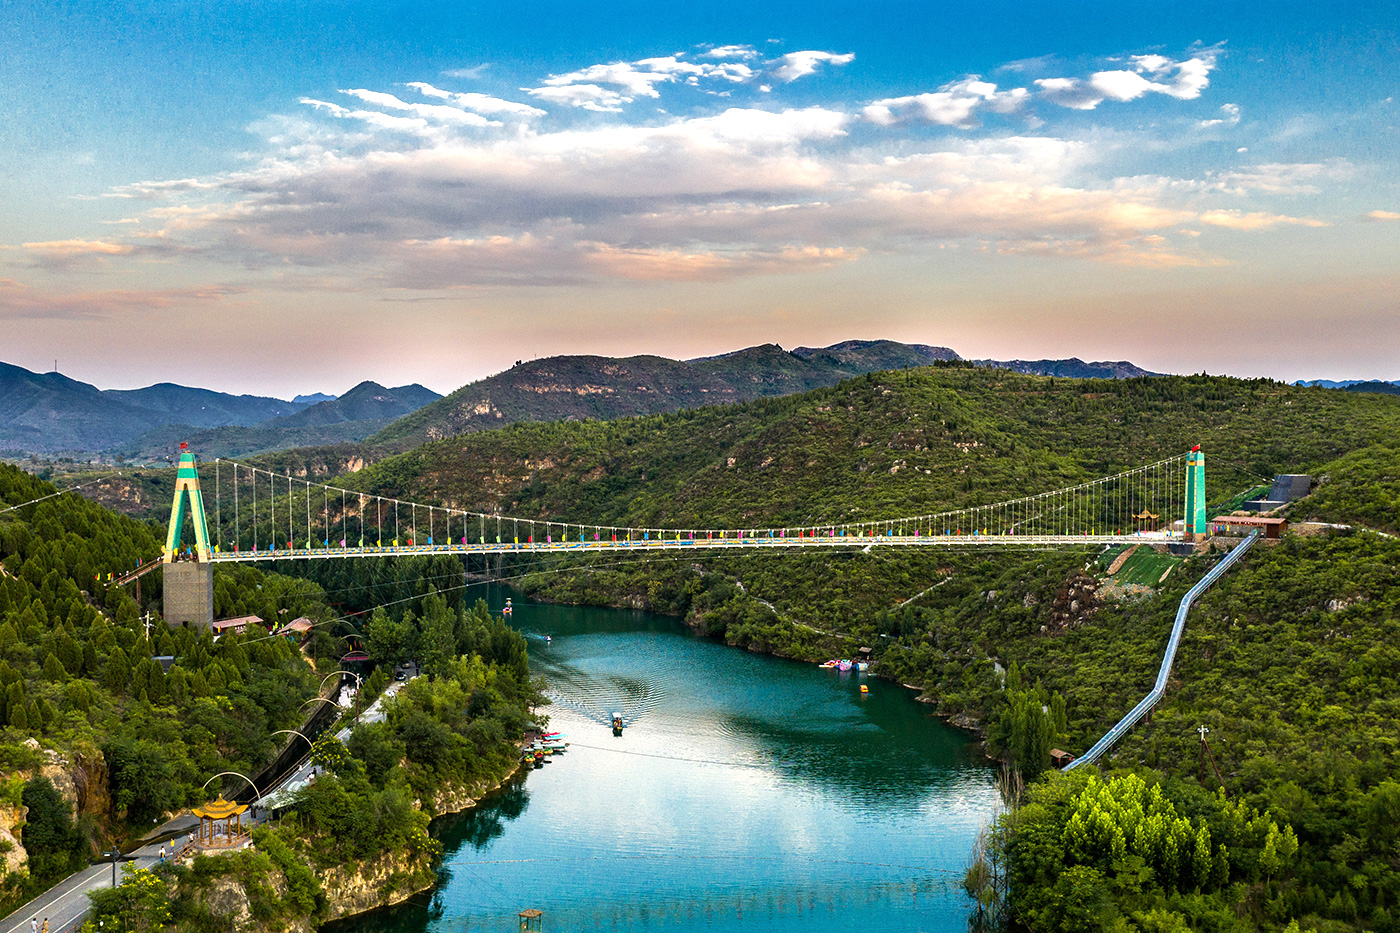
<point>261,515</point>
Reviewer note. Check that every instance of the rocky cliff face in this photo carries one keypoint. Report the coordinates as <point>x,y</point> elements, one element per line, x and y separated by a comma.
<point>353,889</point>
<point>14,857</point>
<point>82,781</point>
<point>227,900</point>
<point>454,798</point>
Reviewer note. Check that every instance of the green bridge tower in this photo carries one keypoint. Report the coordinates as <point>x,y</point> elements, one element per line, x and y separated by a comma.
<point>189,578</point>
<point>1196,527</point>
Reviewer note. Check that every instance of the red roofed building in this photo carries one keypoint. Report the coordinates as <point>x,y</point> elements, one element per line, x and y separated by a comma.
<point>299,627</point>
<point>240,624</point>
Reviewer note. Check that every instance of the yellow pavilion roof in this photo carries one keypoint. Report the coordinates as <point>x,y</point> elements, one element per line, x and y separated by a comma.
<point>220,809</point>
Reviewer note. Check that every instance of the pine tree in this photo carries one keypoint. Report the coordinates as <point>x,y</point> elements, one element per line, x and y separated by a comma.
<point>19,717</point>
<point>116,675</point>
<point>53,670</point>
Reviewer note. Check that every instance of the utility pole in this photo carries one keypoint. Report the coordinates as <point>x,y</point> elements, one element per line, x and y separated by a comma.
<point>115,854</point>
<point>148,625</point>
<point>1206,753</point>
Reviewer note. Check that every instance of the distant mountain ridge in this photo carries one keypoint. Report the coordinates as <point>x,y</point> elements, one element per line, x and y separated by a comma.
<point>1354,385</point>
<point>51,413</point>
<point>365,409</point>
<point>1385,388</point>
<point>366,402</point>
<point>563,388</point>
<point>1072,368</point>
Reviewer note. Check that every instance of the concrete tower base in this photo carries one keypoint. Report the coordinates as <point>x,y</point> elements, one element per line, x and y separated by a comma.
<point>189,594</point>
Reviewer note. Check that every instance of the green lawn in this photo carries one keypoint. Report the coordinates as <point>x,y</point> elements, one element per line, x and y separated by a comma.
<point>1145,567</point>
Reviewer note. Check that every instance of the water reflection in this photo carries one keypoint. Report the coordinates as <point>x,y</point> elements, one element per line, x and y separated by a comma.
<point>746,793</point>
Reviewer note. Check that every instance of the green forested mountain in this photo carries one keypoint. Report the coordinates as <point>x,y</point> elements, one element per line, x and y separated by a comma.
<point>592,387</point>
<point>1290,661</point>
<point>885,444</point>
<point>99,739</point>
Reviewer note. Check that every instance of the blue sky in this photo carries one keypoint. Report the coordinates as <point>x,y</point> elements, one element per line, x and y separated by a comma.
<point>289,197</point>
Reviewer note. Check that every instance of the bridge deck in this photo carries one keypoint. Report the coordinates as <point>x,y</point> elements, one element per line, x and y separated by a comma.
<point>685,544</point>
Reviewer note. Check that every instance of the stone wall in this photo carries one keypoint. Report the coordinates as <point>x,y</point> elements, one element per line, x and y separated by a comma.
<point>189,593</point>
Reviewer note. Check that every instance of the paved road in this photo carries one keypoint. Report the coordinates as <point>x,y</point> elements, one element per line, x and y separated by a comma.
<point>66,903</point>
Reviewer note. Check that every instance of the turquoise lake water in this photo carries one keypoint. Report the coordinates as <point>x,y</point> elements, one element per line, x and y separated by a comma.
<point>746,793</point>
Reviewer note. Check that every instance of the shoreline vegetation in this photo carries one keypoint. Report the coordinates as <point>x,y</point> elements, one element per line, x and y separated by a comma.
<point>357,837</point>
<point>99,738</point>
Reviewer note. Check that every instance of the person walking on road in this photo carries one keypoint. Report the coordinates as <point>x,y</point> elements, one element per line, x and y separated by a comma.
<point>45,927</point>
<point>162,854</point>
<point>33,925</point>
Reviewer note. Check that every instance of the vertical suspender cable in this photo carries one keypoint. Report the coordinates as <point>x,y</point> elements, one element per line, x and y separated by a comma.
<point>218,509</point>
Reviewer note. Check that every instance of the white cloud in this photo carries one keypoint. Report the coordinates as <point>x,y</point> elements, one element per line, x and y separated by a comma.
<point>1191,77</point>
<point>480,103</point>
<point>1156,64</point>
<point>1120,85</point>
<point>634,81</point>
<point>459,200</point>
<point>795,65</point>
<point>587,96</point>
<point>1230,116</point>
<point>1380,216</point>
<point>731,51</point>
<point>472,73</point>
<point>1255,220</point>
<point>952,105</point>
<point>372,117</point>
<point>1283,177</point>
<point>1069,92</point>
<point>431,112</point>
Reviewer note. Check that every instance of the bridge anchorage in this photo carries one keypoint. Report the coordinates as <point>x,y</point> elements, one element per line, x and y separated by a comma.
<point>260,515</point>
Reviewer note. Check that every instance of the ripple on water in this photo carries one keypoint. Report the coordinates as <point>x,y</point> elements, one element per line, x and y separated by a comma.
<point>747,794</point>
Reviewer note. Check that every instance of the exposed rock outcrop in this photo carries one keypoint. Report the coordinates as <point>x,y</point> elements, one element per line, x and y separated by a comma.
<point>81,780</point>
<point>1075,601</point>
<point>389,879</point>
